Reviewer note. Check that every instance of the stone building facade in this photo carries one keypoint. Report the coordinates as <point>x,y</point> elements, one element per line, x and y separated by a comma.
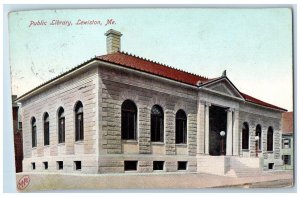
<point>287,148</point>
<point>142,116</point>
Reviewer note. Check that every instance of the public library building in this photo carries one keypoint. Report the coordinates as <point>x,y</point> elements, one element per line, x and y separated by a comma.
<point>121,113</point>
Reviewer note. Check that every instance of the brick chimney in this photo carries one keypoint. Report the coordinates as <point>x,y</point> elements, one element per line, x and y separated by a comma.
<point>113,41</point>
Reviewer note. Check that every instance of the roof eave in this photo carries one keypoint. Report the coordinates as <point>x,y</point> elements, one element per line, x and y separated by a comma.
<point>273,108</point>
<point>54,80</point>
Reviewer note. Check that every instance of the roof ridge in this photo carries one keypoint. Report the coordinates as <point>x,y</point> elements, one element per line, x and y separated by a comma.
<point>161,64</point>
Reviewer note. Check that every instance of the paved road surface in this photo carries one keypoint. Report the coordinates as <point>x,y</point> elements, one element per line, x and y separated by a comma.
<point>54,181</point>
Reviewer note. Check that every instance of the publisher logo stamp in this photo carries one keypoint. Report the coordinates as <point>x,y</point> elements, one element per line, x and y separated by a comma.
<point>23,182</point>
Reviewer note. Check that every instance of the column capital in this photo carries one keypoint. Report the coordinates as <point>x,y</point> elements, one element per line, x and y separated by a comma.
<point>230,110</point>
<point>207,104</point>
<point>202,102</point>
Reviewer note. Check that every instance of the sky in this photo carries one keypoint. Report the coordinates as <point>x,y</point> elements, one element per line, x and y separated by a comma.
<point>253,45</point>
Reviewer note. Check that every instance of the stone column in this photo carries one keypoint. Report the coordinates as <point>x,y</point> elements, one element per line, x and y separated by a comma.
<point>235,142</point>
<point>229,133</point>
<point>200,127</point>
<point>207,128</point>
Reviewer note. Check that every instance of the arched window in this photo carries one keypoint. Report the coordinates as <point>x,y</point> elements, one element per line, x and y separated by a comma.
<point>61,125</point>
<point>46,129</point>
<point>181,125</point>
<point>78,121</point>
<point>33,132</point>
<point>270,139</point>
<point>128,119</point>
<point>157,124</point>
<point>245,136</point>
<point>258,133</point>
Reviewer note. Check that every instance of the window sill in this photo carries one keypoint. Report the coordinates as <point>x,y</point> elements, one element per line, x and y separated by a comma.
<point>181,145</point>
<point>158,171</point>
<point>33,148</point>
<point>245,150</point>
<point>79,142</point>
<point>270,152</point>
<point>130,171</point>
<point>46,146</point>
<point>61,144</point>
<point>130,141</point>
<point>158,143</point>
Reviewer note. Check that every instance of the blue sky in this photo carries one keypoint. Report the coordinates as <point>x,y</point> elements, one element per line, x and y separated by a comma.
<point>253,45</point>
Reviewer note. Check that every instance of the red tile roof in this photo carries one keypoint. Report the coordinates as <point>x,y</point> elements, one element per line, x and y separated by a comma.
<point>148,66</point>
<point>145,65</point>
<point>259,102</point>
<point>287,122</point>
<point>138,63</point>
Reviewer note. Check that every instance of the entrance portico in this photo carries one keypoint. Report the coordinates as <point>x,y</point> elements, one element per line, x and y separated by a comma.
<point>218,110</point>
<point>219,119</point>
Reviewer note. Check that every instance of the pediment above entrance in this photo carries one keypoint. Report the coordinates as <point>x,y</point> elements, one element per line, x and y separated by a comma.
<point>223,86</point>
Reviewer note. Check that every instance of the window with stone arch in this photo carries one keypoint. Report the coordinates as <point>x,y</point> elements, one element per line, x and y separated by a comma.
<point>270,139</point>
<point>33,132</point>
<point>258,133</point>
<point>61,125</point>
<point>79,129</point>
<point>181,127</point>
<point>128,120</point>
<point>46,129</point>
<point>157,124</point>
<point>245,136</point>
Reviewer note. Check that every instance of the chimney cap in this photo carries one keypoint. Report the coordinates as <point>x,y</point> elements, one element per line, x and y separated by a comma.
<point>112,31</point>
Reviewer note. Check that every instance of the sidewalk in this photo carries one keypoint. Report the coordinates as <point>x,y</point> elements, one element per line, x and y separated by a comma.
<point>54,181</point>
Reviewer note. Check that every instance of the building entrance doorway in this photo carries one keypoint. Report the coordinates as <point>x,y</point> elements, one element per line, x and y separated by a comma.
<point>217,123</point>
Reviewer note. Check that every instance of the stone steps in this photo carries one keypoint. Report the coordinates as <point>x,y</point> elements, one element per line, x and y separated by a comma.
<point>244,167</point>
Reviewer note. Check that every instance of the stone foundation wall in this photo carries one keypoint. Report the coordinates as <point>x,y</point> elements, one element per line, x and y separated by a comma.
<point>115,163</point>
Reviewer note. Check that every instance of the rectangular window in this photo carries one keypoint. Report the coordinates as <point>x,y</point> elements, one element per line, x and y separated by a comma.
<point>271,166</point>
<point>245,140</point>
<point>180,131</point>
<point>60,165</point>
<point>286,143</point>
<point>79,126</point>
<point>77,165</point>
<point>33,166</point>
<point>61,128</point>
<point>182,165</point>
<point>130,165</point>
<point>128,125</point>
<point>286,159</point>
<point>158,165</point>
<point>20,125</point>
<point>157,127</point>
<point>34,138</point>
<point>46,133</point>
<point>45,165</point>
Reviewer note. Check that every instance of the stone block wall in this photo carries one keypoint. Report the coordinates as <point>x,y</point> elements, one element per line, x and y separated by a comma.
<point>266,118</point>
<point>120,85</point>
<point>82,88</point>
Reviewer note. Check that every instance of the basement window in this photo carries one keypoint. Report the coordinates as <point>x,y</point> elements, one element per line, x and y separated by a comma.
<point>182,165</point>
<point>158,165</point>
<point>286,159</point>
<point>33,165</point>
<point>77,165</point>
<point>45,165</point>
<point>130,165</point>
<point>271,166</point>
<point>60,165</point>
